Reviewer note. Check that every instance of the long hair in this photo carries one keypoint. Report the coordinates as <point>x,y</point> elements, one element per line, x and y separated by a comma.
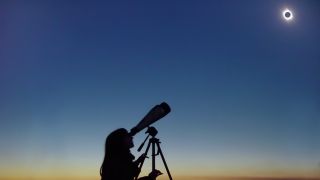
<point>114,148</point>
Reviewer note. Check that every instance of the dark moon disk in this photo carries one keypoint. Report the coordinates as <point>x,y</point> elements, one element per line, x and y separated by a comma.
<point>287,14</point>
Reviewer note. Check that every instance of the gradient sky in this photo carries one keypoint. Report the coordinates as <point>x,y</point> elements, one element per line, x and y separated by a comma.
<point>242,83</point>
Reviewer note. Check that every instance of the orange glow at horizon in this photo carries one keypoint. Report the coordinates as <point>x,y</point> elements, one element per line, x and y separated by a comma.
<point>166,178</point>
<point>82,173</point>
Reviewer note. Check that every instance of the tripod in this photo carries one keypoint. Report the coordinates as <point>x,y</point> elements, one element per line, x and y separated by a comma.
<point>153,142</point>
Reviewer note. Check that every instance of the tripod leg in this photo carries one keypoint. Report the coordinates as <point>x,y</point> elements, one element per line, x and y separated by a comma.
<point>164,161</point>
<point>141,164</point>
<point>153,155</point>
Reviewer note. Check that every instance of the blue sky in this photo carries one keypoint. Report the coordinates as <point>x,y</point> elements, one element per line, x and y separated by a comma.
<point>242,83</point>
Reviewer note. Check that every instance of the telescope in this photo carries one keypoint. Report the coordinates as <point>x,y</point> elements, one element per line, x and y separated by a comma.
<point>156,113</point>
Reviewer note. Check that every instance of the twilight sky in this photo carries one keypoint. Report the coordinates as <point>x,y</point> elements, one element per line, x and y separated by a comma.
<point>243,84</point>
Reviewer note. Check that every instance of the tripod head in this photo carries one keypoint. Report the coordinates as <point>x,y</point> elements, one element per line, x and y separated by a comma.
<point>152,131</point>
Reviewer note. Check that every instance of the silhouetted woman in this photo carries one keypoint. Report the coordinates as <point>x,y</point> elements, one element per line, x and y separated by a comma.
<point>118,163</point>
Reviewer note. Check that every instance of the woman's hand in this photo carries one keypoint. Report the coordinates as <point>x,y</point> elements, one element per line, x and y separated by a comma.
<point>141,158</point>
<point>154,174</point>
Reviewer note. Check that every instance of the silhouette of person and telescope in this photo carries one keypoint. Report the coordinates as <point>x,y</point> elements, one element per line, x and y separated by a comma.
<point>119,163</point>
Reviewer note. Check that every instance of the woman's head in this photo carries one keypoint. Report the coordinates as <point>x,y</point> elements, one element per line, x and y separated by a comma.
<point>118,140</point>
<point>118,144</point>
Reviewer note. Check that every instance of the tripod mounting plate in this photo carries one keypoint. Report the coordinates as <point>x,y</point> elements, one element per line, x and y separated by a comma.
<point>152,131</point>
